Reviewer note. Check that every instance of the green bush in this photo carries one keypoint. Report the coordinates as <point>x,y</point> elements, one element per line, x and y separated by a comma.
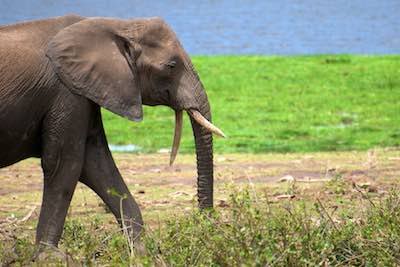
<point>290,234</point>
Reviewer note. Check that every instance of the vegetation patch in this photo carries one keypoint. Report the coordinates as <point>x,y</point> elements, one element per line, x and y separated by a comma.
<point>250,229</point>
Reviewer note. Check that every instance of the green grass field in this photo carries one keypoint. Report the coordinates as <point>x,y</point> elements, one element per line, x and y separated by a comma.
<point>284,104</point>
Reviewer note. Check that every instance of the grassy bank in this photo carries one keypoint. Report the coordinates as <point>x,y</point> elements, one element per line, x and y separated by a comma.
<point>285,104</point>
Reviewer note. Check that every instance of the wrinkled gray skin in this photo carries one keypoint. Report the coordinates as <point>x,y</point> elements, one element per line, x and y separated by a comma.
<point>55,75</point>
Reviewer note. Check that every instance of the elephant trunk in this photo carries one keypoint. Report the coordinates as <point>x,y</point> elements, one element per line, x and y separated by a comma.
<point>202,130</point>
<point>204,153</point>
<point>195,102</point>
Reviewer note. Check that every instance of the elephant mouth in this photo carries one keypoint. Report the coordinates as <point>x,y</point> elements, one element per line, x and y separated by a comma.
<point>196,115</point>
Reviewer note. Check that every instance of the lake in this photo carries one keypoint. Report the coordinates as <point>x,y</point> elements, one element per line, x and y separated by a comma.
<point>284,27</point>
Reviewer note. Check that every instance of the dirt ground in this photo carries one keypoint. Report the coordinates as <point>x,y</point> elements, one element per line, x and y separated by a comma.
<point>163,191</point>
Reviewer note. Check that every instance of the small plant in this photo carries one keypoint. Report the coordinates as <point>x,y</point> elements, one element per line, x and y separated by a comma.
<point>81,241</point>
<point>337,185</point>
<point>17,250</point>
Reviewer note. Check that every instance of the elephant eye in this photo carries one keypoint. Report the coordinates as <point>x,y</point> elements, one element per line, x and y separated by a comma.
<point>171,64</point>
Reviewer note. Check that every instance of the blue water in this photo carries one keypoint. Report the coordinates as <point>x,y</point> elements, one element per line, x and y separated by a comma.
<point>247,27</point>
<point>124,148</point>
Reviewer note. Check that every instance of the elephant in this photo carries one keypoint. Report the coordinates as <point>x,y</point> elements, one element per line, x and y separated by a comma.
<point>57,73</point>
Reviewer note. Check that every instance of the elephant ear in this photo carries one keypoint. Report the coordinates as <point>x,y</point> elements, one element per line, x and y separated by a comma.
<point>95,62</point>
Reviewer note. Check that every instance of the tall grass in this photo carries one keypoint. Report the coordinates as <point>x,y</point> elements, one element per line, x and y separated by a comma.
<point>293,234</point>
<point>248,231</point>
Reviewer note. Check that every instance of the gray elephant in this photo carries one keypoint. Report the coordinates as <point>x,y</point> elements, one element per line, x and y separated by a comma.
<point>55,74</point>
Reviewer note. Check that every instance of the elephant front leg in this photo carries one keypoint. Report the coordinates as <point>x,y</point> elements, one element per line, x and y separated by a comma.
<point>59,184</point>
<point>63,148</point>
<point>102,176</point>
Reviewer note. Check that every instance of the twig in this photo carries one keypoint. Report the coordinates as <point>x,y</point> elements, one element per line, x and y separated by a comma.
<point>327,214</point>
<point>9,221</point>
<point>252,187</point>
<point>28,215</point>
<point>365,196</point>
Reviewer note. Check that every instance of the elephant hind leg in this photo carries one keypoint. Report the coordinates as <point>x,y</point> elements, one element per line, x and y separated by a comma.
<point>63,139</point>
<point>102,176</point>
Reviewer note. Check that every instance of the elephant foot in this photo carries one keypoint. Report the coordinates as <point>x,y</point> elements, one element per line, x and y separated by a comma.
<point>51,255</point>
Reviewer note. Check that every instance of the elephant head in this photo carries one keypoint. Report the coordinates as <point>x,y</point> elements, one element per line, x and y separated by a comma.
<point>122,64</point>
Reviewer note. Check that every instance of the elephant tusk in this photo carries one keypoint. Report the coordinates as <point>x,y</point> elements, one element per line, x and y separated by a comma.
<point>177,136</point>
<point>205,123</point>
